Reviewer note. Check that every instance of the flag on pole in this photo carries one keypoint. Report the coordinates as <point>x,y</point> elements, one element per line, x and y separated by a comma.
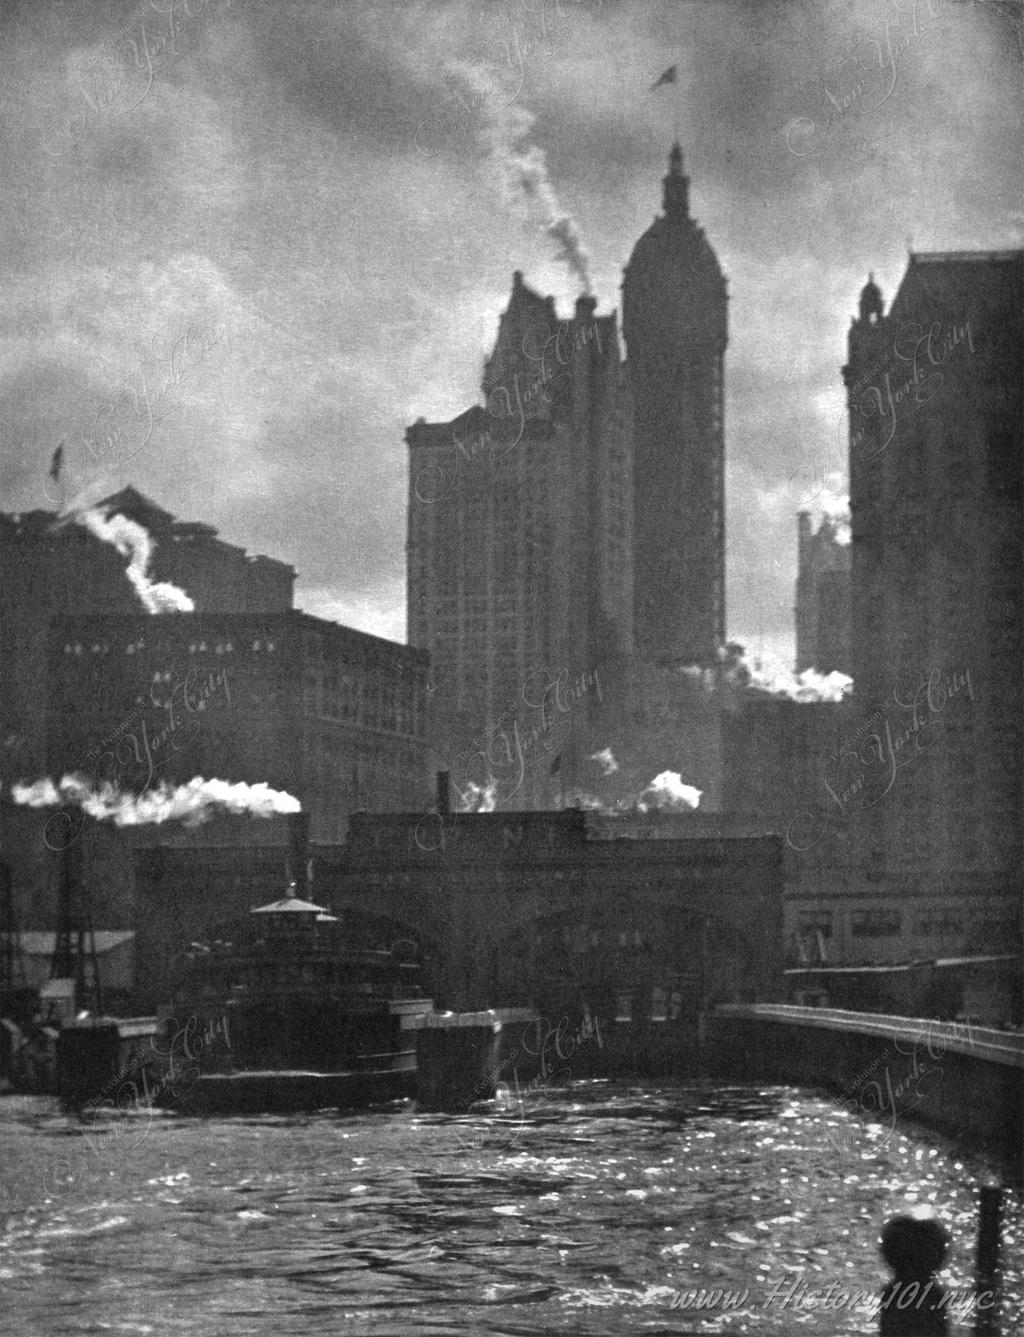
<point>56,462</point>
<point>669,77</point>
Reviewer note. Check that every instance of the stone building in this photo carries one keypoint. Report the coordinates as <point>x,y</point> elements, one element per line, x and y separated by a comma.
<point>572,528</point>
<point>335,717</point>
<point>53,567</point>
<point>935,401</point>
<point>822,598</point>
<point>520,540</point>
<point>635,925</point>
<point>674,322</point>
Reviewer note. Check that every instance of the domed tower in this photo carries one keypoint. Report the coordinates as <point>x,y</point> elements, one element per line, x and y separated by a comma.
<point>674,323</point>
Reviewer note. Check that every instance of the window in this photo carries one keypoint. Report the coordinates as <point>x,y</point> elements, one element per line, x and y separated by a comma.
<point>659,1004</point>
<point>1004,458</point>
<point>876,924</point>
<point>624,1007</point>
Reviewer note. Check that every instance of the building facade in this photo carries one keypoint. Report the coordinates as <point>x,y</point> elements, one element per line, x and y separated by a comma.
<point>332,716</point>
<point>934,393</point>
<point>638,926</point>
<point>822,598</point>
<point>520,542</point>
<point>674,322</point>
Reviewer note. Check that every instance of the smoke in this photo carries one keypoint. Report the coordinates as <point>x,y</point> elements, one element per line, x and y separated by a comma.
<point>606,760</point>
<point>132,541</point>
<point>836,508</point>
<point>192,803</point>
<point>668,793</point>
<point>479,798</point>
<point>809,686</point>
<point>741,674</point>
<point>521,167</point>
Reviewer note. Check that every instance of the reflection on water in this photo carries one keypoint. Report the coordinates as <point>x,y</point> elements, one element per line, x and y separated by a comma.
<point>586,1211</point>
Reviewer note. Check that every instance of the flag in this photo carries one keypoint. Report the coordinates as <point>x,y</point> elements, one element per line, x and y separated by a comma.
<point>56,462</point>
<point>669,77</point>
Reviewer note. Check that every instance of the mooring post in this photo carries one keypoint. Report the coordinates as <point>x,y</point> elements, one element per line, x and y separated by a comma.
<point>986,1271</point>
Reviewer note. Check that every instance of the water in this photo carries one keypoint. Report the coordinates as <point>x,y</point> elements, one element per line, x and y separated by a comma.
<point>583,1211</point>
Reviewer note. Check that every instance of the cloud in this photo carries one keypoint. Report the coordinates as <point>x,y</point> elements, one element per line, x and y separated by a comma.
<point>270,184</point>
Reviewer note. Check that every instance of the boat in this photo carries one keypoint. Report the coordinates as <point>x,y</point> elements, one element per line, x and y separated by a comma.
<point>306,1010</point>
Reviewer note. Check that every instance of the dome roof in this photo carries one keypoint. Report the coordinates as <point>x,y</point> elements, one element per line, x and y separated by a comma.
<point>674,249</point>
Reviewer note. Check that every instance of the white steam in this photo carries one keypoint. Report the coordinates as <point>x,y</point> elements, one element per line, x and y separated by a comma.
<point>132,541</point>
<point>668,793</point>
<point>522,167</point>
<point>192,803</point>
<point>606,760</point>
<point>478,798</point>
<point>809,686</point>
<point>836,508</point>
<point>742,674</point>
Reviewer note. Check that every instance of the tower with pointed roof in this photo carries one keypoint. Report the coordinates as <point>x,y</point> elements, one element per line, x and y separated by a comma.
<point>675,329</point>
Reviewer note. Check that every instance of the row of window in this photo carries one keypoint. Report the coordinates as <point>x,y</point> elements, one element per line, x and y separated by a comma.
<point>889,924</point>
<point>195,647</point>
<point>666,1005</point>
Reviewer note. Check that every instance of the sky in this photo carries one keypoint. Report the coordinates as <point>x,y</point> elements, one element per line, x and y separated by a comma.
<point>246,243</point>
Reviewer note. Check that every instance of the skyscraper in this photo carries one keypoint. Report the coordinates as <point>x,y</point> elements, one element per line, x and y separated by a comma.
<point>520,546</point>
<point>674,325</point>
<point>934,395</point>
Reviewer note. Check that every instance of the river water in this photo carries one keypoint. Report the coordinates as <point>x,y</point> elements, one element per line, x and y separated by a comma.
<point>598,1209</point>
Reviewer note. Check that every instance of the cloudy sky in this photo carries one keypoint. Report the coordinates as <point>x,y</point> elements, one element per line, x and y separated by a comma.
<point>247,243</point>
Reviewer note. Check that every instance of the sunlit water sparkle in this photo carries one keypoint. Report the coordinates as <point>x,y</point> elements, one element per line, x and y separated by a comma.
<point>585,1212</point>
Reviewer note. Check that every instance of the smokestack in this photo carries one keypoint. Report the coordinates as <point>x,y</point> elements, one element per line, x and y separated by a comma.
<point>444,800</point>
<point>585,307</point>
<point>298,852</point>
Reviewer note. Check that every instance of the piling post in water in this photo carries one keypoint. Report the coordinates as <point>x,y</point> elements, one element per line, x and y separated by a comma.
<point>986,1270</point>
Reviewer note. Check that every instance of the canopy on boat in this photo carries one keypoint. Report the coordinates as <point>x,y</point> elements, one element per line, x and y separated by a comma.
<point>291,904</point>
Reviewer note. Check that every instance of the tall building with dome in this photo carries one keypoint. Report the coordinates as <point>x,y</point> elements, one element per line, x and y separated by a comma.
<point>572,525</point>
<point>675,328</point>
<point>520,550</point>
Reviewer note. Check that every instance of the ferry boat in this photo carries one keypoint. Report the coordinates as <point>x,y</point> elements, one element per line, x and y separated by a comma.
<point>301,1010</point>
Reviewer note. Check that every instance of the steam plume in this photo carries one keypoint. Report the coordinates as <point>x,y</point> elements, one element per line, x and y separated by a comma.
<point>479,798</point>
<point>668,793</point>
<point>522,167</point>
<point>192,803</point>
<point>131,540</point>
<point>606,760</point>
<point>837,509</point>
<point>739,673</point>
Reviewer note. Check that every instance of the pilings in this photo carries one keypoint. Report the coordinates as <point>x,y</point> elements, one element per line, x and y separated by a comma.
<point>461,1056</point>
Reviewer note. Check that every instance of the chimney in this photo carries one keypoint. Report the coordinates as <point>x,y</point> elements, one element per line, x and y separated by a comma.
<point>298,852</point>
<point>585,307</point>
<point>444,802</point>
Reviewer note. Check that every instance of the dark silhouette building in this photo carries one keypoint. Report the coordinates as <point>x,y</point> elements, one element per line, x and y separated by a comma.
<point>934,392</point>
<point>822,599</point>
<point>520,541</point>
<point>675,328</point>
<point>335,717</point>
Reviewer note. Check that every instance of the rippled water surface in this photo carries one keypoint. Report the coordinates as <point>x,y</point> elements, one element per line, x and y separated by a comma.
<point>585,1211</point>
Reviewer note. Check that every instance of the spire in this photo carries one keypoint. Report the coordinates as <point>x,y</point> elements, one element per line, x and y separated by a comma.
<point>871,307</point>
<point>677,187</point>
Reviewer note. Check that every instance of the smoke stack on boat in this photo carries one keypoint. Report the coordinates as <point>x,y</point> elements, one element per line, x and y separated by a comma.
<point>444,802</point>
<point>298,853</point>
